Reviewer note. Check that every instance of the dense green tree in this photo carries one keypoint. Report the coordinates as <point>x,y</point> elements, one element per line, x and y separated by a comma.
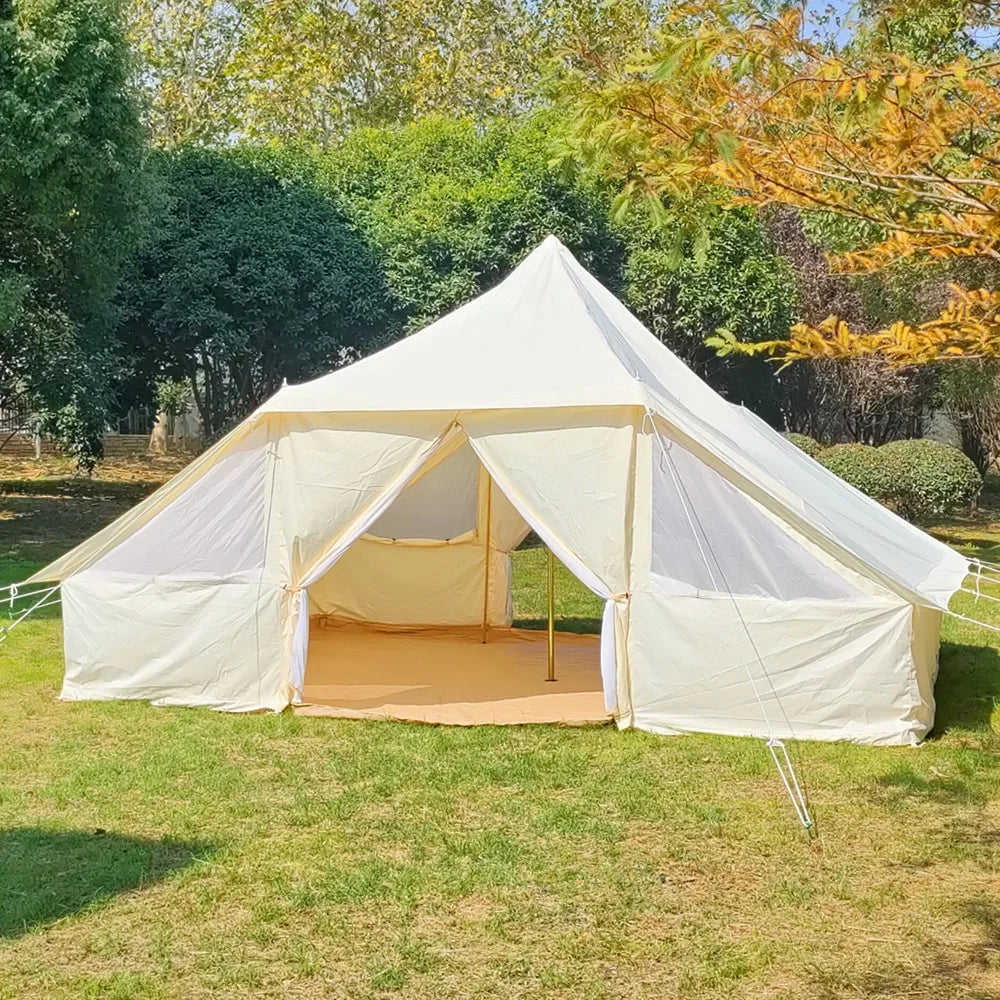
<point>268,264</point>
<point>315,70</point>
<point>71,149</point>
<point>450,207</point>
<point>687,286</point>
<point>250,277</point>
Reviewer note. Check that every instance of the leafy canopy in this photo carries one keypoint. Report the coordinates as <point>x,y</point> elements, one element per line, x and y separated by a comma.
<point>316,70</point>
<point>250,277</point>
<point>737,105</point>
<point>71,151</point>
<point>451,207</point>
<point>300,260</point>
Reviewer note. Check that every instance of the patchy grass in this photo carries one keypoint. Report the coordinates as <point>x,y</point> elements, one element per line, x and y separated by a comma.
<point>576,608</point>
<point>976,532</point>
<point>46,508</point>
<point>171,853</point>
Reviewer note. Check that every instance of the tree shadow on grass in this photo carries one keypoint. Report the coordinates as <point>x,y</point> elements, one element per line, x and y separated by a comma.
<point>975,956</point>
<point>951,966</point>
<point>905,782</point>
<point>967,694</point>
<point>48,874</point>
<point>967,690</point>
<point>971,537</point>
<point>38,529</point>
<point>81,487</point>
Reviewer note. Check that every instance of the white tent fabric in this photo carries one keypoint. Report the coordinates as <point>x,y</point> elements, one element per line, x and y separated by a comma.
<point>439,506</point>
<point>747,590</point>
<point>206,539</point>
<point>707,536</point>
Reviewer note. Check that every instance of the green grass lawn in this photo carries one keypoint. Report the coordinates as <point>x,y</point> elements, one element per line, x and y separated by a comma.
<point>171,853</point>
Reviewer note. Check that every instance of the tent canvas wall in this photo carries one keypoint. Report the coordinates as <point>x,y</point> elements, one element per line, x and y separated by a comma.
<point>746,589</point>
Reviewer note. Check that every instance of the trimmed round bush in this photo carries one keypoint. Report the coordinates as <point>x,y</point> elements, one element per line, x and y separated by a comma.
<point>859,464</point>
<point>803,442</point>
<point>928,478</point>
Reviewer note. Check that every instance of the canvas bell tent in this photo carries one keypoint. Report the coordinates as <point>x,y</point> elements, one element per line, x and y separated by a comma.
<point>746,589</point>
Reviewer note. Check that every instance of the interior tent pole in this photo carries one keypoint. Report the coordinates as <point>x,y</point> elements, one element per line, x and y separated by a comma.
<point>486,584</point>
<point>552,617</point>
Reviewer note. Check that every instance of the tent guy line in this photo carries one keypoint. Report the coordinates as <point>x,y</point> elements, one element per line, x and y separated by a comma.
<point>786,769</point>
<point>799,800</point>
<point>14,596</point>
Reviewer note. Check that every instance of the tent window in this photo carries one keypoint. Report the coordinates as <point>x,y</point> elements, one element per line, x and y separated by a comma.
<point>711,537</point>
<point>439,505</point>
<point>215,528</point>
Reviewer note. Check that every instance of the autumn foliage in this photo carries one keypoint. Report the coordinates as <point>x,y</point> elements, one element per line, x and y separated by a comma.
<point>738,106</point>
<point>968,329</point>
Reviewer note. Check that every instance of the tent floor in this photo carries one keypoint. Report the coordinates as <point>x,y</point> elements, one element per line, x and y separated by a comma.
<point>447,676</point>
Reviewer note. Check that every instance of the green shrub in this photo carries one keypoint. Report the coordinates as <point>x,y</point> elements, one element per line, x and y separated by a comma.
<point>918,479</point>
<point>803,442</point>
<point>860,465</point>
<point>927,478</point>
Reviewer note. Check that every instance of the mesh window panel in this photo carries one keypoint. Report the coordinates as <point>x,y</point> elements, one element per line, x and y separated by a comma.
<point>709,536</point>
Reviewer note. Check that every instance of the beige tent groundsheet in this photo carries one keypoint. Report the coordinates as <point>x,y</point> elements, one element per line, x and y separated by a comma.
<point>449,676</point>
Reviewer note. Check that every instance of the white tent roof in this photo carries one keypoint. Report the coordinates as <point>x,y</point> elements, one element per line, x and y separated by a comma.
<point>551,335</point>
<point>538,339</point>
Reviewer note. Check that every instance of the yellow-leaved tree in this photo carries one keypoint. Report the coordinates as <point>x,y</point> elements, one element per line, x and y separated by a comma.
<point>312,71</point>
<point>736,104</point>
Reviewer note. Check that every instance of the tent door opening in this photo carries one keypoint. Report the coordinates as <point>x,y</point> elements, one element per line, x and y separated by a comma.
<point>397,625</point>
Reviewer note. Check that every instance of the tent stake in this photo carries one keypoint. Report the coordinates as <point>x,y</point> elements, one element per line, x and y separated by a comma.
<point>486,585</point>
<point>552,617</point>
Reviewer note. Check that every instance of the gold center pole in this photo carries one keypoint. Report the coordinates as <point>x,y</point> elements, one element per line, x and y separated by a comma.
<point>486,585</point>
<point>552,617</point>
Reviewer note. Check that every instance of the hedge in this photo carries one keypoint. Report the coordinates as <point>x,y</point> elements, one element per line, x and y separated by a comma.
<point>927,478</point>
<point>918,478</point>
<point>803,442</point>
<point>860,465</point>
